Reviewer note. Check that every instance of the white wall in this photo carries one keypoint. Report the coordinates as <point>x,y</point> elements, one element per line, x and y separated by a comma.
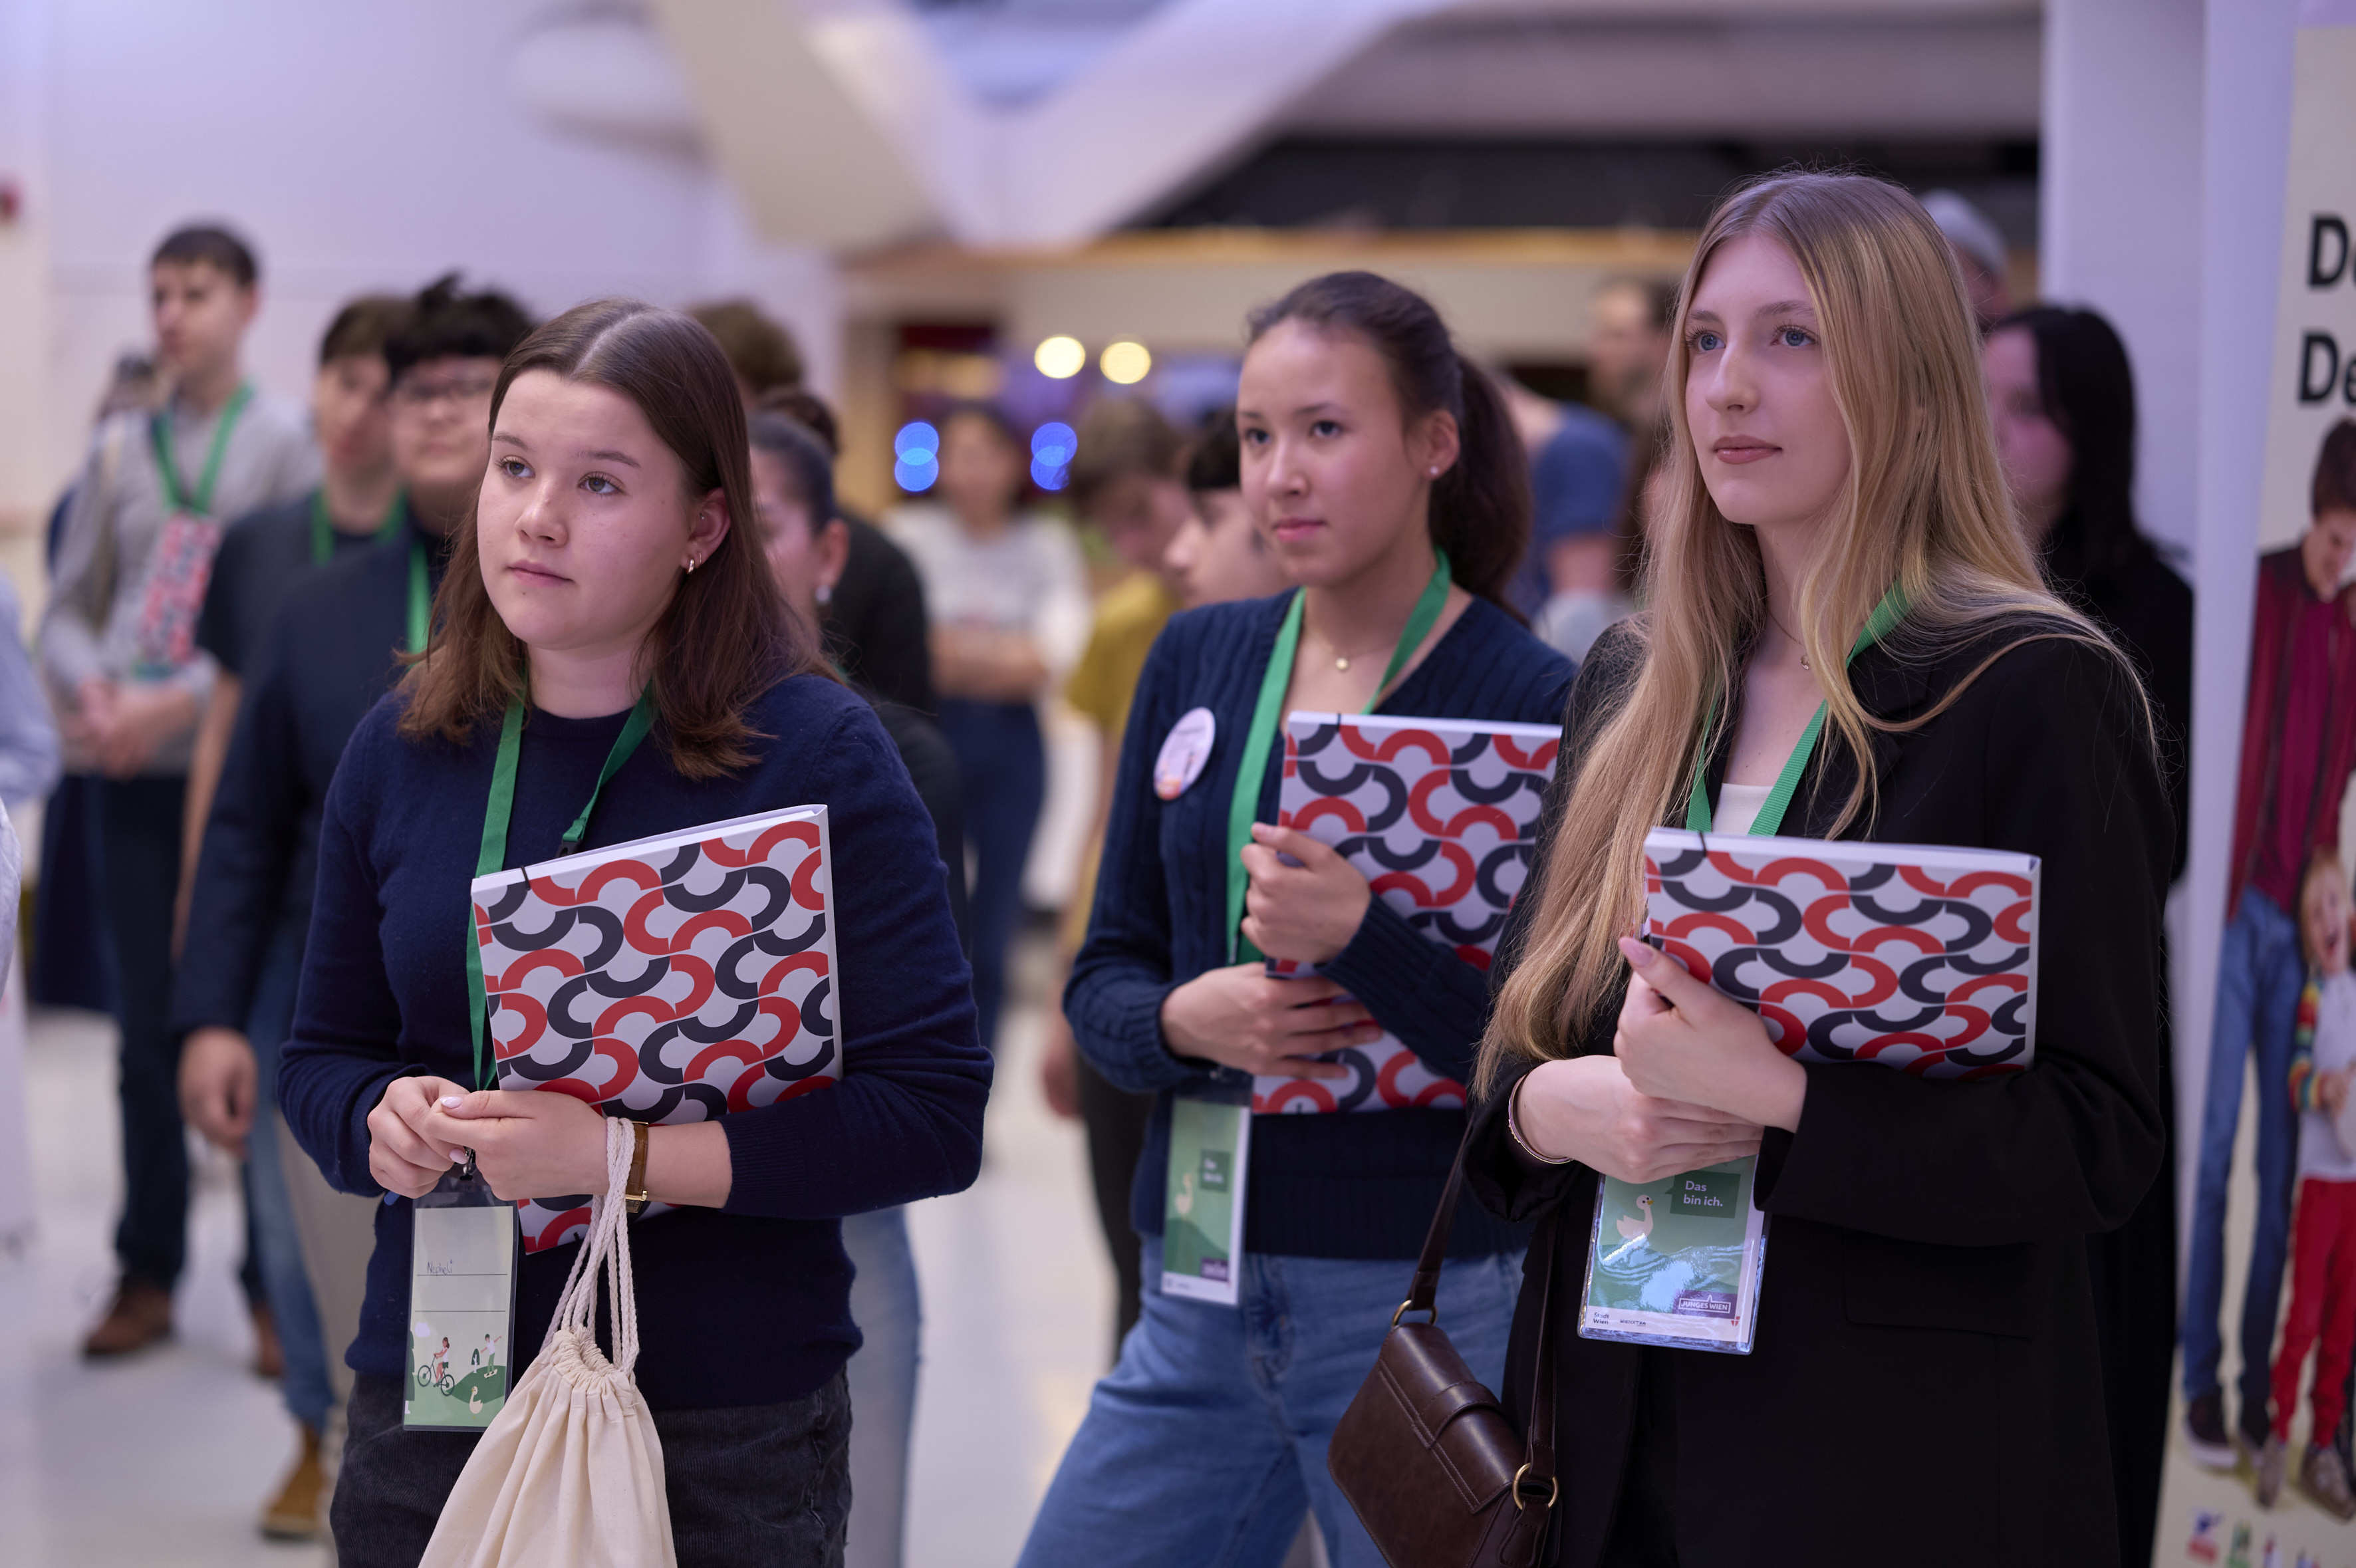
<point>361,147</point>
<point>2119,225</point>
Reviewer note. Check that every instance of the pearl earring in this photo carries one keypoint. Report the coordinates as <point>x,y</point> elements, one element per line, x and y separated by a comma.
<point>1435,471</point>
<point>826,593</point>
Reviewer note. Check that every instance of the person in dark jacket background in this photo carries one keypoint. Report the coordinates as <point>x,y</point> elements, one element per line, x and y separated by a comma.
<point>806,546</point>
<point>308,650</point>
<point>2061,399</point>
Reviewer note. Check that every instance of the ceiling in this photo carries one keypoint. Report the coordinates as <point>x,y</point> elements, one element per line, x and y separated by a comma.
<point>855,124</point>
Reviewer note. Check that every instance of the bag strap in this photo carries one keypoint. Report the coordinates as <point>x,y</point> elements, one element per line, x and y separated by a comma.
<point>608,1243</point>
<point>1422,1295</point>
<point>1540,1465</point>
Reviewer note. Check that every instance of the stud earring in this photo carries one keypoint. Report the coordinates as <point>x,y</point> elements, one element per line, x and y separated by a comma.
<point>1435,471</point>
<point>826,593</point>
<point>692,563</point>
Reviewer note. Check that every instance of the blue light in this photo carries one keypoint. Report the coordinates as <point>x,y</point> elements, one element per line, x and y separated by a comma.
<point>1053,445</point>
<point>1049,475</point>
<point>916,473</point>
<point>916,437</point>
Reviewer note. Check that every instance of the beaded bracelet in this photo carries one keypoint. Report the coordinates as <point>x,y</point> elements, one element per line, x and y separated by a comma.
<point>1513,1131</point>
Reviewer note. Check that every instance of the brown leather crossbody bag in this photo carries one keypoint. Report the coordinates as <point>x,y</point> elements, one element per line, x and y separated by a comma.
<point>1425,1454</point>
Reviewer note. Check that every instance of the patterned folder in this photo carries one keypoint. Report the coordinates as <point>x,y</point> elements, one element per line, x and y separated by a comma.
<point>1916,957</point>
<point>674,979</point>
<point>1439,814</point>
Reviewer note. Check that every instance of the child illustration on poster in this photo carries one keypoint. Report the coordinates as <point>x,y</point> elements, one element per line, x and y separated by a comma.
<point>2298,745</point>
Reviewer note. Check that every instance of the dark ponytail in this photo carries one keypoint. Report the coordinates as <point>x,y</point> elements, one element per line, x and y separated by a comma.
<point>1481,505</point>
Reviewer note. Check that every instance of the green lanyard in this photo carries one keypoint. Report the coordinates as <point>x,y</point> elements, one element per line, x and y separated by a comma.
<point>493,856</point>
<point>1699,814</point>
<point>421,609</point>
<point>323,532</point>
<point>1261,738</point>
<point>176,497</point>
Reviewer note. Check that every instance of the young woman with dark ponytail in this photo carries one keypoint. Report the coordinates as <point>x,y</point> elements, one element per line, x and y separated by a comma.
<point>1381,468</point>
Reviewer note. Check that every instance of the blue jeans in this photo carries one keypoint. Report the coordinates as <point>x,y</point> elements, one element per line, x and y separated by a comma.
<point>1207,1441</point>
<point>2259,974</point>
<point>885,1306</point>
<point>306,1388</point>
<point>1003,777</point>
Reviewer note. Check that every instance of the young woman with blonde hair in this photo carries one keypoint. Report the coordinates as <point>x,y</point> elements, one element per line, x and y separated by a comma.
<point>1838,556</point>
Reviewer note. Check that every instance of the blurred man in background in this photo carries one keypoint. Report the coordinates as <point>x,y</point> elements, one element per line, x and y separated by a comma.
<point>118,645</point>
<point>321,657</point>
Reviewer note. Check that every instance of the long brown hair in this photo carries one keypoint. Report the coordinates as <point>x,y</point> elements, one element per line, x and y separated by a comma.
<point>727,635</point>
<point>1924,506</point>
<point>1481,505</point>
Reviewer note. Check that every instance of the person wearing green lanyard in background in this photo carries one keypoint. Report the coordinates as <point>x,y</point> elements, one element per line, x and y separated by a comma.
<point>329,648</point>
<point>1383,470</point>
<point>118,651</point>
<point>1847,638</point>
<point>263,552</point>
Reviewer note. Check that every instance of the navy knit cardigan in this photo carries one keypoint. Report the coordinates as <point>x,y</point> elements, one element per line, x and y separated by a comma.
<point>743,1304</point>
<point>1348,1184</point>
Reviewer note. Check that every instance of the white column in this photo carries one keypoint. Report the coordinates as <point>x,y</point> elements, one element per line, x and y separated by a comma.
<point>2245,150</point>
<point>29,465</point>
<point>2119,215</point>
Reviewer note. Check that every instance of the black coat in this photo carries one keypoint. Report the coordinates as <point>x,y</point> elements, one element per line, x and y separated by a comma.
<point>1924,1386</point>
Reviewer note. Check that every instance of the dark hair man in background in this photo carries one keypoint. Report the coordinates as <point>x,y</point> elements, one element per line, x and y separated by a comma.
<point>118,645</point>
<point>319,661</point>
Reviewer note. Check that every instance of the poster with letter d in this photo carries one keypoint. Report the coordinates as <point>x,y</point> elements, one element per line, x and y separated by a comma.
<point>2259,1455</point>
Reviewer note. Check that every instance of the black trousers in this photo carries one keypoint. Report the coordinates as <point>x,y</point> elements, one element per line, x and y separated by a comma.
<point>1116,1121</point>
<point>763,1484</point>
<point>141,818</point>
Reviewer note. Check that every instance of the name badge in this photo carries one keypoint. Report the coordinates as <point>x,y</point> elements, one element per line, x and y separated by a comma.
<point>1203,1198</point>
<point>462,1270</point>
<point>1183,754</point>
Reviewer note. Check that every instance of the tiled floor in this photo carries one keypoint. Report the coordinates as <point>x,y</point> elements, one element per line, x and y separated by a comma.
<point>164,1460</point>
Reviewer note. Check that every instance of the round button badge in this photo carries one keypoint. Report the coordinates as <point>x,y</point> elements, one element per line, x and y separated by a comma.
<point>1184,753</point>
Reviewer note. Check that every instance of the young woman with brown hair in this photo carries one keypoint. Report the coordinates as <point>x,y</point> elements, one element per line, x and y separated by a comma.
<point>604,569</point>
<point>1924,1386</point>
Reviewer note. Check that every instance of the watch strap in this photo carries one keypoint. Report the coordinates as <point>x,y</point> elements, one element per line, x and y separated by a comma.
<point>634,1194</point>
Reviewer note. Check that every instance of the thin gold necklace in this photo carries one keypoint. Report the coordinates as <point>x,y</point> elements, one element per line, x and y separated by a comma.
<point>1793,641</point>
<point>1342,659</point>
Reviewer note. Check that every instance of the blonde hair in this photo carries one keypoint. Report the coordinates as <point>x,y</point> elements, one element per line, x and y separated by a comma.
<point>2323,871</point>
<point>1923,508</point>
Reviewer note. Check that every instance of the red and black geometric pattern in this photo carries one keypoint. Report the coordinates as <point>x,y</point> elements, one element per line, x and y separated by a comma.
<point>1920,958</point>
<point>1438,815</point>
<point>671,979</point>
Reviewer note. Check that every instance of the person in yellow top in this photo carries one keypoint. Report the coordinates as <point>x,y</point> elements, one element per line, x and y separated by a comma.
<point>1128,480</point>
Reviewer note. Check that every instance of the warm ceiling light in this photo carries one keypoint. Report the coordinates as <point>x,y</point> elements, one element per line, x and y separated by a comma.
<point>1124,363</point>
<point>1059,357</point>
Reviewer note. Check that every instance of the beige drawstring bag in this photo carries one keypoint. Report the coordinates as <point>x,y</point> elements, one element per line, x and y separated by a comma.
<point>570,1471</point>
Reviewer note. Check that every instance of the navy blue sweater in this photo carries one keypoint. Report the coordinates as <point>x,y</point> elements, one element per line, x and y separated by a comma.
<point>328,654</point>
<point>1350,1185</point>
<point>748,1304</point>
